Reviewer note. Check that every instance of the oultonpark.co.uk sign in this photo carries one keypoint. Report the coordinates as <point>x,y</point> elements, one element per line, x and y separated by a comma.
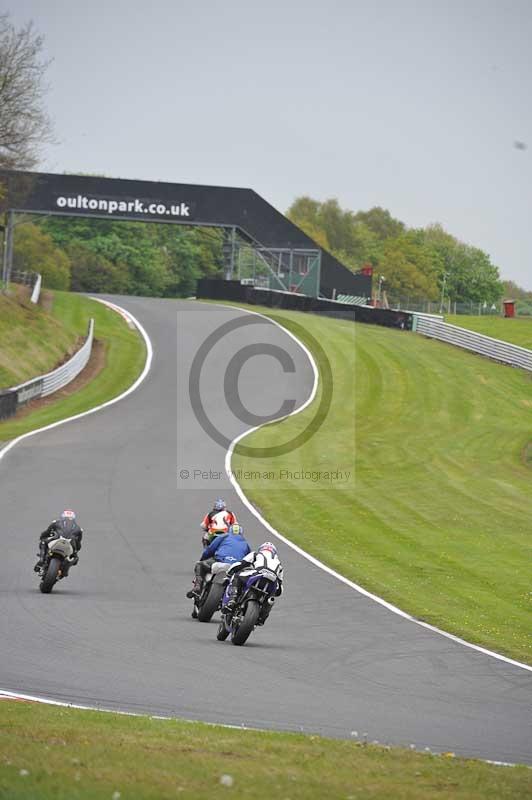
<point>134,205</point>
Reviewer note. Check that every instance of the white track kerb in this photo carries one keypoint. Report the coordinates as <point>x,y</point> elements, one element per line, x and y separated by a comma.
<point>306,555</point>
<point>6,694</point>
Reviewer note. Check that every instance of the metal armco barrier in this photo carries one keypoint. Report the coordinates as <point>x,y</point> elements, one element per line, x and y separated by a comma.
<point>44,385</point>
<point>476,342</point>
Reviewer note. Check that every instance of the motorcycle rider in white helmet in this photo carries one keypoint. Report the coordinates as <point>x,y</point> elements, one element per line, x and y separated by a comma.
<point>264,557</point>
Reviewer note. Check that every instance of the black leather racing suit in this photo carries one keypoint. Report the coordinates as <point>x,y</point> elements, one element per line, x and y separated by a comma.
<point>61,527</point>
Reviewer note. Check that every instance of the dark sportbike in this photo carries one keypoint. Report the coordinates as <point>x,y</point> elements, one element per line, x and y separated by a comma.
<point>59,556</point>
<point>252,607</point>
<point>210,597</point>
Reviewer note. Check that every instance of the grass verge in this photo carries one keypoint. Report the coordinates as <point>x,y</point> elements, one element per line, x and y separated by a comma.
<point>32,341</point>
<point>64,754</point>
<point>435,516</point>
<point>517,330</point>
<point>125,355</point>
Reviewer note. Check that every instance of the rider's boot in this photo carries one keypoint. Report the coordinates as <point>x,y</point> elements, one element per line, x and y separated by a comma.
<point>40,563</point>
<point>196,588</point>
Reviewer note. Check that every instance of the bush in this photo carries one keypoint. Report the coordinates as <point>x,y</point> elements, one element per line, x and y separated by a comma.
<point>35,251</point>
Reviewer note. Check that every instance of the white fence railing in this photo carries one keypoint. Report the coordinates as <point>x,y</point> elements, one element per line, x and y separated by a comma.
<point>63,375</point>
<point>476,342</point>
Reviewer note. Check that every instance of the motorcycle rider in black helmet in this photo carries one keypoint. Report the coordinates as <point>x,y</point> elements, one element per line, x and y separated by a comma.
<point>66,525</point>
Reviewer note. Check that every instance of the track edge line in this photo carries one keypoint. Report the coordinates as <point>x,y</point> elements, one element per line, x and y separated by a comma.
<point>316,562</point>
<point>147,366</point>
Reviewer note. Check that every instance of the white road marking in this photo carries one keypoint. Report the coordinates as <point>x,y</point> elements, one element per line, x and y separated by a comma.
<point>9,695</point>
<point>315,561</point>
<point>135,385</point>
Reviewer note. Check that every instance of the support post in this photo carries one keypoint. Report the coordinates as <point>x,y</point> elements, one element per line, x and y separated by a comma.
<point>233,248</point>
<point>7,255</point>
<point>9,248</point>
<point>290,269</point>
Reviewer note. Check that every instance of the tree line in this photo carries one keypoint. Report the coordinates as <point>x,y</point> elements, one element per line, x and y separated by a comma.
<point>160,260</point>
<point>415,263</point>
<point>92,255</point>
<point>164,260</point>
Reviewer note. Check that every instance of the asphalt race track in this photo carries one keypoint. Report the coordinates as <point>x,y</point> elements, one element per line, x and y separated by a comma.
<point>118,633</point>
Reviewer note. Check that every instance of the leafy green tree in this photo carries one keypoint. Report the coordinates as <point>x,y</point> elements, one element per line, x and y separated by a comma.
<point>469,274</point>
<point>34,251</point>
<point>184,267</point>
<point>338,226</point>
<point>380,222</point>
<point>408,267</point>
<point>94,273</point>
<point>119,243</point>
<point>139,258</point>
<point>304,211</point>
<point>209,242</point>
<point>339,232</point>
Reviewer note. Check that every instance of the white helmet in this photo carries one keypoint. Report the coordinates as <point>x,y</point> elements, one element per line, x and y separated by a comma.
<point>268,546</point>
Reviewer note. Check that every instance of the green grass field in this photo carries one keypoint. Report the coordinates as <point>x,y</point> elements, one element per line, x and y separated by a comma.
<point>49,753</point>
<point>32,341</point>
<point>125,354</point>
<point>517,330</point>
<point>436,514</point>
<point>435,518</point>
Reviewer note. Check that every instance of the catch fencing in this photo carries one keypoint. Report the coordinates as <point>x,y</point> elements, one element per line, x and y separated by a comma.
<point>43,385</point>
<point>496,349</point>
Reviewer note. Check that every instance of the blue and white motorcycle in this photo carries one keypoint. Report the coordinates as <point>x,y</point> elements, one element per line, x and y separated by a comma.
<point>252,607</point>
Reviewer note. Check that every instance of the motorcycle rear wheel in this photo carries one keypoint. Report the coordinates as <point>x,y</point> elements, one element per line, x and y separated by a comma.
<point>251,615</point>
<point>50,578</point>
<point>212,603</point>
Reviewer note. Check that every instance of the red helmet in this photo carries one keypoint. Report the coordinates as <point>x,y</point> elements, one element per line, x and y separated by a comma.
<point>68,514</point>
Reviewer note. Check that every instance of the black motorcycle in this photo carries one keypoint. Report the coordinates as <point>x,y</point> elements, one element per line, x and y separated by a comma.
<point>58,558</point>
<point>209,599</point>
<point>252,607</point>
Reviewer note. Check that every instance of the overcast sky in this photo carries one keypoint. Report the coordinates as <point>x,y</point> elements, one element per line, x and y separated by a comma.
<point>408,104</point>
